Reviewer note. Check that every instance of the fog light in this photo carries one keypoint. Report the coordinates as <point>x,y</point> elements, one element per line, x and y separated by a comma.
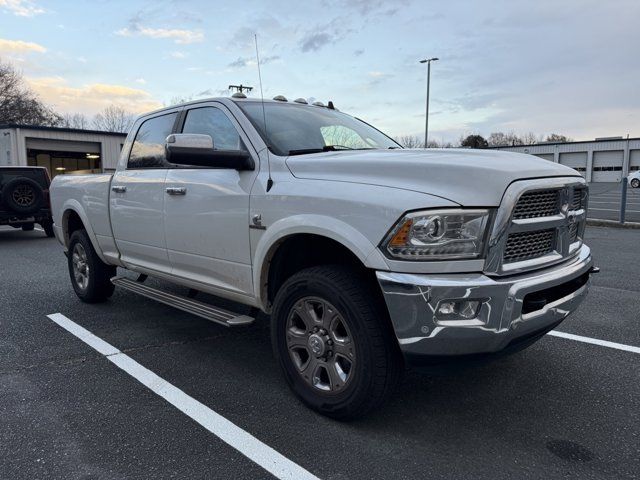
<point>458,309</point>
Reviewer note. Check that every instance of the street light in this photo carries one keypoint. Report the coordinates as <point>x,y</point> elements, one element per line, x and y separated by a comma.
<point>426,121</point>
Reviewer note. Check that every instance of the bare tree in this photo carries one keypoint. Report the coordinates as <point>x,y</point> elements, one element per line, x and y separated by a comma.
<point>531,138</point>
<point>410,141</point>
<point>75,120</point>
<point>18,104</point>
<point>557,138</point>
<point>113,119</point>
<point>501,139</point>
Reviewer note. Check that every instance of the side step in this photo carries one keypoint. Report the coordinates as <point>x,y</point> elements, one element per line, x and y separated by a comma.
<point>201,309</point>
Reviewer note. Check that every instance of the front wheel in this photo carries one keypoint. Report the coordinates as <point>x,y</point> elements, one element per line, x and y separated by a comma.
<point>90,276</point>
<point>332,338</point>
<point>635,183</point>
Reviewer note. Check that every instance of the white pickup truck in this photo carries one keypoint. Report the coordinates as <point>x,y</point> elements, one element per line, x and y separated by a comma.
<point>368,257</point>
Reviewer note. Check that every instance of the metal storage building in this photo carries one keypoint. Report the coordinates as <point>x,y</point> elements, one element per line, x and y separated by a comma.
<point>60,150</point>
<point>600,160</point>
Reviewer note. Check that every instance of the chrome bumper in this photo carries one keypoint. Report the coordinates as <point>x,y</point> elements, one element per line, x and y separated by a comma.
<point>413,301</point>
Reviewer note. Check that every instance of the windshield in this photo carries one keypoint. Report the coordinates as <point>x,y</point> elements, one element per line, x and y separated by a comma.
<point>296,129</point>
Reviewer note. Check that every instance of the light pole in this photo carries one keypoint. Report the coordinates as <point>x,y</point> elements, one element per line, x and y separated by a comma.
<point>426,120</point>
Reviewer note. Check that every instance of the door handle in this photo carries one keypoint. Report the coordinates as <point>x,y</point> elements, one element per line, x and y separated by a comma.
<point>118,188</point>
<point>176,190</point>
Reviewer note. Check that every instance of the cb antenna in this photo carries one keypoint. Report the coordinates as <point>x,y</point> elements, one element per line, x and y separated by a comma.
<point>264,115</point>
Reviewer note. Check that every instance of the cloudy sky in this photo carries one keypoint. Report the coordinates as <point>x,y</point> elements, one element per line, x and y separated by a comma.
<point>569,66</point>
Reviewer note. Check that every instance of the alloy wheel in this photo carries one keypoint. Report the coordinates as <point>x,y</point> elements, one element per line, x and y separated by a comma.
<point>320,345</point>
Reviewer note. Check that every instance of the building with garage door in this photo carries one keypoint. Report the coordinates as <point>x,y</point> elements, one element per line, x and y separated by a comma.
<point>60,150</point>
<point>600,160</point>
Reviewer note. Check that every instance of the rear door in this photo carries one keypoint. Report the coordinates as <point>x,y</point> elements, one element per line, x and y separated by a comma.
<point>207,227</point>
<point>137,197</point>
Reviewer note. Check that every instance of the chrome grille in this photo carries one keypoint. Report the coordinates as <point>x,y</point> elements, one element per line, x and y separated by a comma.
<point>539,223</point>
<point>573,232</point>
<point>527,245</point>
<point>539,203</point>
<point>576,203</point>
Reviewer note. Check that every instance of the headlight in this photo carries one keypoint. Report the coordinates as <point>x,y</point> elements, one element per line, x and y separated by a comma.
<point>438,235</point>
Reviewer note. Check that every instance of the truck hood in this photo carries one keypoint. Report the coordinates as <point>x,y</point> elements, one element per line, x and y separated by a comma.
<point>467,177</point>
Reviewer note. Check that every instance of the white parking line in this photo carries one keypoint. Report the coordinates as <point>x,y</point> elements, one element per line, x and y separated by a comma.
<point>262,454</point>
<point>595,341</point>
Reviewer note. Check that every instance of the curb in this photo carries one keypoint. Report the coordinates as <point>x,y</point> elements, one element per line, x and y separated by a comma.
<point>593,222</point>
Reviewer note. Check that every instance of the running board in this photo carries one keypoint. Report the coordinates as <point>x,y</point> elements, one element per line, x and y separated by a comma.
<point>201,309</point>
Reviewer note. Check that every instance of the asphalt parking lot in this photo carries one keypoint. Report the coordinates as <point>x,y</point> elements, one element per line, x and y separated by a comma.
<point>605,198</point>
<point>560,409</point>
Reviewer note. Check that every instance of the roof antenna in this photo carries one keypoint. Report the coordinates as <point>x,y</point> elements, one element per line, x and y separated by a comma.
<point>264,115</point>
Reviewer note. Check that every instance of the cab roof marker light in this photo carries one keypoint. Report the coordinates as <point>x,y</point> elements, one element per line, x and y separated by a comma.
<point>280,98</point>
<point>301,100</point>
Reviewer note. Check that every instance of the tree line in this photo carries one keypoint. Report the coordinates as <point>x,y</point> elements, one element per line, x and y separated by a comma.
<point>495,139</point>
<point>20,105</point>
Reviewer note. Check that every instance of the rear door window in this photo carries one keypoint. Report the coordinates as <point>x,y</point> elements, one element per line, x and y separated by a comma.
<point>148,147</point>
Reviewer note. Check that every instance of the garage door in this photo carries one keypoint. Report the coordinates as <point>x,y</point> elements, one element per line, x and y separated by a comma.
<point>607,166</point>
<point>546,156</point>
<point>634,160</point>
<point>575,160</point>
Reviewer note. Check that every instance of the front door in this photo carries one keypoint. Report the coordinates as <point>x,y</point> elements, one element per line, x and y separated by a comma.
<point>206,213</point>
<point>137,198</point>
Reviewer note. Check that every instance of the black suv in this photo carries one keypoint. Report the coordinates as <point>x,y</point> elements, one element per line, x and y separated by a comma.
<point>24,198</point>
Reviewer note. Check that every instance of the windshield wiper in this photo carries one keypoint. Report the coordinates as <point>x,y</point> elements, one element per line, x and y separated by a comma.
<point>326,148</point>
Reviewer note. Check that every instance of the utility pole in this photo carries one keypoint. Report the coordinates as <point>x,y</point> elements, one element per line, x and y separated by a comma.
<point>426,120</point>
<point>240,88</point>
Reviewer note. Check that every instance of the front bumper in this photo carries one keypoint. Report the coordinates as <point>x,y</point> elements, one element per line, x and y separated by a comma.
<point>413,301</point>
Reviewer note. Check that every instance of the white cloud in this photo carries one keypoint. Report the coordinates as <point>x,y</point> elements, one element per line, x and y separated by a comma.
<point>18,46</point>
<point>178,55</point>
<point>90,98</point>
<point>179,36</point>
<point>141,81</point>
<point>21,8</point>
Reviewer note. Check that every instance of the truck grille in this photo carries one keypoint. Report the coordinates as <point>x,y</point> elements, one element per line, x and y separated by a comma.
<point>541,222</point>
<point>539,203</point>
<point>578,193</point>
<point>527,245</point>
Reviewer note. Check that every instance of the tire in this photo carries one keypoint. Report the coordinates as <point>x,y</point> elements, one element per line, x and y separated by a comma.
<point>635,183</point>
<point>23,195</point>
<point>27,227</point>
<point>90,277</point>
<point>359,329</point>
<point>47,226</point>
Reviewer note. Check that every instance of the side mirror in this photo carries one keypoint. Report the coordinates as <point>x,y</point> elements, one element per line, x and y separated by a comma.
<point>197,150</point>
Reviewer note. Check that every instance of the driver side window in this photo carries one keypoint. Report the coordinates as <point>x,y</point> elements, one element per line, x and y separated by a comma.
<point>213,122</point>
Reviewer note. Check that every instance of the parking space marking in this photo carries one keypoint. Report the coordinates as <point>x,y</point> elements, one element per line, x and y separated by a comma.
<point>227,431</point>
<point>595,341</point>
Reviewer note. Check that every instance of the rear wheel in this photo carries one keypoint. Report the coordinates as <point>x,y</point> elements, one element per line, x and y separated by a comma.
<point>27,227</point>
<point>334,343</point>
<point>635,183</point>
<point>90,276</point>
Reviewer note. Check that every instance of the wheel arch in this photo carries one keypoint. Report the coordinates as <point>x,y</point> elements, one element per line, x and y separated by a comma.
<point>330,240</point>
<point>74,218</point>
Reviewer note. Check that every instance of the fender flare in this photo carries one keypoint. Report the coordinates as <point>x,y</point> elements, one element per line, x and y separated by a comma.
<point>320,225</point>
<point>72,205</point>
